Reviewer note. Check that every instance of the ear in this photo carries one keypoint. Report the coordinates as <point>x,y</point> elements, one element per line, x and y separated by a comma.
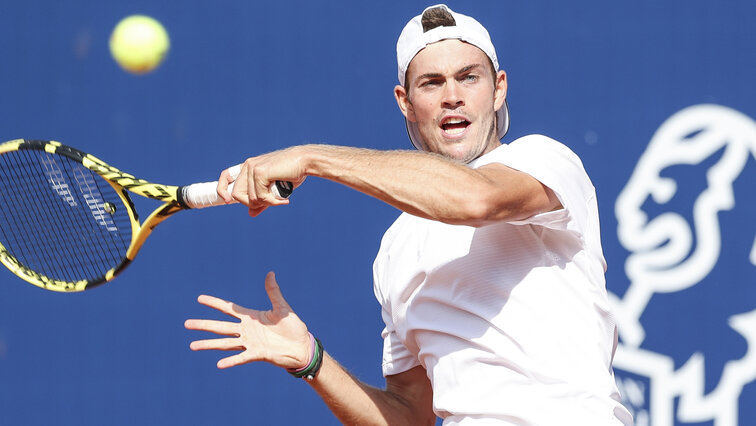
<point>500,90</point>
<point>404,103</point>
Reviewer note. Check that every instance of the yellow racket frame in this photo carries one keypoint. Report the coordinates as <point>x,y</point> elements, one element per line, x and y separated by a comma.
<point>121,182</point>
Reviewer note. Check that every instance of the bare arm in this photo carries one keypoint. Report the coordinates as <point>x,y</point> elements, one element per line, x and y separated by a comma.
<point>423,184</point>
<point>407,399</point>
<point>434,187</point>
<point>279,337</point>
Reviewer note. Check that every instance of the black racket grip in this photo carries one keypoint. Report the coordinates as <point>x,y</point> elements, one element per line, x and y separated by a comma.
<point>285,188</point>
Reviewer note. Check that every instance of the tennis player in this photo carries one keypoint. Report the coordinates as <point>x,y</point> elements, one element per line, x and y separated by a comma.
<point>492,280</point>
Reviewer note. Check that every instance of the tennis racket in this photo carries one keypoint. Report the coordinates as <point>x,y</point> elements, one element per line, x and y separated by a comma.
<point>67,222</point>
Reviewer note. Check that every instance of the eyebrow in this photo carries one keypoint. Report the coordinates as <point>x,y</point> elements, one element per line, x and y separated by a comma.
<point>437,75</point>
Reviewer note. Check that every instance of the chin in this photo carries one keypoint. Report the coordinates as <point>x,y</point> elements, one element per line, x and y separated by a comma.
<point>463,156</point>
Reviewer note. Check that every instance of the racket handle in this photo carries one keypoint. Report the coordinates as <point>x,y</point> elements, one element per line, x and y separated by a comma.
<point>200,195</point>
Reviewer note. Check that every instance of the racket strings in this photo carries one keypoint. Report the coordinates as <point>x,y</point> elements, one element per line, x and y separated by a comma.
<point>35,251</point>
<point>49,235</point>
<point>60,219</point>
<point>53,233</point>
<point>97,255</point>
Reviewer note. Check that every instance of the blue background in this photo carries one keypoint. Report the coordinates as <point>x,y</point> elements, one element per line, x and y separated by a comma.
<point>243,78</point>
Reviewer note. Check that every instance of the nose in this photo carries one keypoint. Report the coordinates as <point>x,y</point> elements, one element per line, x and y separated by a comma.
<point>452,95</point>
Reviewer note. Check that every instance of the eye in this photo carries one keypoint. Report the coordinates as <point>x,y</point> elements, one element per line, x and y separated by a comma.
<point>470,78</point>
<point>430,83</point>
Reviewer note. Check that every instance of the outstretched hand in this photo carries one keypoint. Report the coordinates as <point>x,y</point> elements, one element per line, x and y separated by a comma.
<point>276,336</point>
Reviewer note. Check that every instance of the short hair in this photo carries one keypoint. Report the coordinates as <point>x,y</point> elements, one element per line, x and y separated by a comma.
<point>437,17</point>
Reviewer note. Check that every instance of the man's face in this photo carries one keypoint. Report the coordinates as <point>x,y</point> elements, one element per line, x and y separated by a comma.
<point>453,97</point>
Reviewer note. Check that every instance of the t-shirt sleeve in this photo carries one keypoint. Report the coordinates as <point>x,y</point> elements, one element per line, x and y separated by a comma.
<point>558,168</point>
<point>396,357</point>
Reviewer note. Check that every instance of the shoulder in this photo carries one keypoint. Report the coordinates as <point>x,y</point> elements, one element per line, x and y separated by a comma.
<point>532,149</point>
<point>537,146</point>
<point>538,142</point>
<point>537,155</point>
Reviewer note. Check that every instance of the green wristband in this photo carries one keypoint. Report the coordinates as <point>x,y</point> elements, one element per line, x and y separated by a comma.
<point>309,372</point>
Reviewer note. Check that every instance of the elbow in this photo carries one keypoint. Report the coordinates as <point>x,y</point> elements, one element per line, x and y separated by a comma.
<point>484,210</point>
<point>479,212</point>
<point>517,203</point>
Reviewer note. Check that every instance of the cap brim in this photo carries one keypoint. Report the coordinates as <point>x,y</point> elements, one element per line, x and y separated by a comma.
<point>502,126</point>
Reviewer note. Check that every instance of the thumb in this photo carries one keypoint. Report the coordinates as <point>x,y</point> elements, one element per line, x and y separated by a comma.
<point>274,293</point>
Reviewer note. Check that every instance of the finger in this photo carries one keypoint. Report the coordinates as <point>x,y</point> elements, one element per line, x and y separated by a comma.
<point>240,191</point>
<point>260,183</point>
<point>227,344</point>
<point>264,189</point>
<point>249,178</point>
<point>218,327</point>
<point>226,178</point>
<point>277,300</point>
<point>238,359</point>
<point>254,212</point>
<point>224,306</point>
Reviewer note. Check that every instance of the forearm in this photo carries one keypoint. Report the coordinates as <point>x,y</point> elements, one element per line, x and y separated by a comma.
<point>415,182</point>
<point>356,403</point>
<point>423,184</point>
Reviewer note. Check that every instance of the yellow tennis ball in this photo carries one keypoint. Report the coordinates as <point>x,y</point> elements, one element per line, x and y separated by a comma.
<point>139,44</point>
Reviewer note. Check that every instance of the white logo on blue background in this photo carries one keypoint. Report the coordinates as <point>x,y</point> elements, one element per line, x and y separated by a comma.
<point>687,319</point>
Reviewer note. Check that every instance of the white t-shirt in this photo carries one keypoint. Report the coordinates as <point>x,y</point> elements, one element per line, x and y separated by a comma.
<point>511,321</point>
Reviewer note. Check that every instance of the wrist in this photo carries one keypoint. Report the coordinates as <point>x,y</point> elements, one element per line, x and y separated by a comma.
<point>310,351</point>
<point>305,159</point>
<point>316,159</point>
<point>310,370</point>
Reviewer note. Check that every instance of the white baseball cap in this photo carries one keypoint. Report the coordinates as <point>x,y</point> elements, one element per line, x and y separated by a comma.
<point>413,39</point>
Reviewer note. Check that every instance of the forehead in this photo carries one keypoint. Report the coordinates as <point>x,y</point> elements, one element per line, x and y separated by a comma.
<point>446,57</point>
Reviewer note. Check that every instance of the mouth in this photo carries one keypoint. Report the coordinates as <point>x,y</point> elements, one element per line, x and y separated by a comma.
<point>454,126</point>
